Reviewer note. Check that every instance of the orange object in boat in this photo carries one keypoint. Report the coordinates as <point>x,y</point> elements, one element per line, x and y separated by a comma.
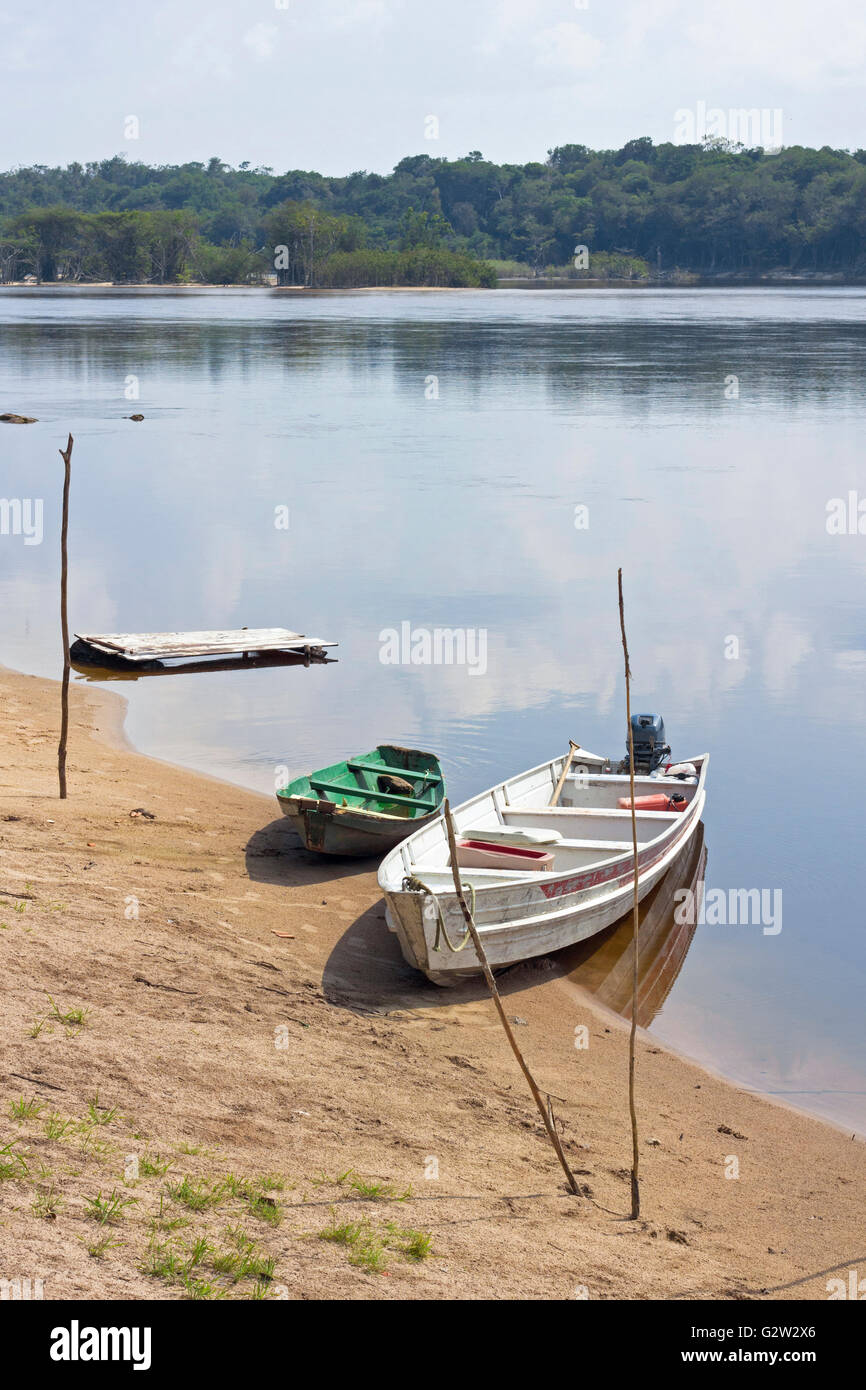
<point>658,802</point>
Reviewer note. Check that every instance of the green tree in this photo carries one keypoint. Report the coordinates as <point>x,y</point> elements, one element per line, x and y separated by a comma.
<point>53,231</point>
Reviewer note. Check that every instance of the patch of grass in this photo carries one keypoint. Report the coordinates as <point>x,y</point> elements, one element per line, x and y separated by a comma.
<point>201,1288</point>
<point>73,1020</point>
<point>415,1245</point>
<point>266,1208</point>
<point>153,1165</point>
<point>163,1261</point>
<point>324,1180</point>
<point>227,1262</point>
<point>239,1237</point>
<point>345,1233</point>
<point>198,1250</point>
<point>95,1116</point>
<point>368,1245</point>
<point>233,1186</point>
<point>99,1149</point>
<point>260,1202</point>
<point>198,1194</point>
<point>36,1027</point>
<point>108,1209</point>
<point>368,1255</point>
<point>271,1182</point>
<point>195,1149</point>
<point>12,1165</point>
<point>249,1264</point>
<point>22,1109</point>
<point>47,1204</point>
<point>176,1265</point>
<point>161,1222</point>
<point>97,1249</point>
<point>363,1244</point>
<point>56,1127</point>
<point>167,1224</point>
<point>378,1191</point>
<point>187,1265</point>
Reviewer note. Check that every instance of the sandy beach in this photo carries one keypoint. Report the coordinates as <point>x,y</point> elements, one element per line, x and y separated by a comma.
<point>219,1077</point>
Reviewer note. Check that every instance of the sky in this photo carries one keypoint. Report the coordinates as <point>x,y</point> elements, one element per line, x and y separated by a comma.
<point>340,85</point>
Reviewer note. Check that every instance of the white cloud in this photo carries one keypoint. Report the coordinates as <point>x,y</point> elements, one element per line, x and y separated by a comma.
<point>22,45</point>
<point>205,51</point>
<point>350,14</point>
<point>568,47</point>
<point>261,40</point>
<point>801,43</point>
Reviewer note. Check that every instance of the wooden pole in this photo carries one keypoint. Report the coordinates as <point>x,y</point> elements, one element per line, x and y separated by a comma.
<point>544,1110</point>
<point>572,749</point>
<point>66,455</point>
<point>635,1187</point>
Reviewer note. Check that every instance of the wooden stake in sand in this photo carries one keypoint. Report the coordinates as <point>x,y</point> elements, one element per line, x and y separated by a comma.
<point>544,1110</point>
<point>635,1188</point>
<point>66,455</point>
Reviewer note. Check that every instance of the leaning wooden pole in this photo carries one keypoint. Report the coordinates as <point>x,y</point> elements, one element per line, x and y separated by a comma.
<point>572,749</point>
<point>66,455</point>
<point>635,1154</point>
<point>543,1110</point>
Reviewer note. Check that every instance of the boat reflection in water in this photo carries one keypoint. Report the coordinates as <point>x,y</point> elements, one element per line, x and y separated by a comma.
<point>603,964</point>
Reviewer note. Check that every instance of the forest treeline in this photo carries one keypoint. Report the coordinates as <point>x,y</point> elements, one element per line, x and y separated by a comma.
<point>711,208</point>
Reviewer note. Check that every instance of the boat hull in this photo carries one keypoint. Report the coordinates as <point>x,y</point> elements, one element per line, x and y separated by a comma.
<point>534,917</point>
<point>346,831</point>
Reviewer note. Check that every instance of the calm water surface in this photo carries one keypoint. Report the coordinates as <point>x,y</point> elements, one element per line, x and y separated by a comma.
<point>451,502</point>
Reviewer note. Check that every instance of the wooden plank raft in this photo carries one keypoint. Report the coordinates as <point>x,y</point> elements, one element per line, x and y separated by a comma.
<point>162,646</point>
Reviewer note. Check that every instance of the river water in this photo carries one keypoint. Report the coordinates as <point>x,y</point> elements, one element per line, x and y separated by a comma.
<point>349,464</point>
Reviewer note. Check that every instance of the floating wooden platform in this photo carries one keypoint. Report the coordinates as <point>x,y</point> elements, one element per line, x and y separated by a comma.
<point>168,646</point>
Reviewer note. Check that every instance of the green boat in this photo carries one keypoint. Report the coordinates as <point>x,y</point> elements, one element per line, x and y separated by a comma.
<point>365,805</point>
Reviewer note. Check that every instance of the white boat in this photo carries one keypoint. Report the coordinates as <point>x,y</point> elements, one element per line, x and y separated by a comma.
<point>520,913</point>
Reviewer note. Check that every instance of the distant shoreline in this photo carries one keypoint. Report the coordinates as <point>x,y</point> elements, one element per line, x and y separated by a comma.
<point>770,280</point>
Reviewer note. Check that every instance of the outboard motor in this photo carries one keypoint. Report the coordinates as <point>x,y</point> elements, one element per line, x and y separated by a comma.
<point>650,749</point>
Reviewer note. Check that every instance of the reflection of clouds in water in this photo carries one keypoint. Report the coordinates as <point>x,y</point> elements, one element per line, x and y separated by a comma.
<point>92,605</point>
<point>785,647</point>
<point>459,512</point>
<point>813,1070</point>
<point>851,661</point>
<point>222,580</point>
<point>30,613</point>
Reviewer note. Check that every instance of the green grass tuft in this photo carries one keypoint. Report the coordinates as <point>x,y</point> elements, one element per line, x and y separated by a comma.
<point>108,1209</point>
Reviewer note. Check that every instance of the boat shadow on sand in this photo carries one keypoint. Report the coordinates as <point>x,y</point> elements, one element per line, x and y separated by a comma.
<point>275,854</point>
<point>366,971</point>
